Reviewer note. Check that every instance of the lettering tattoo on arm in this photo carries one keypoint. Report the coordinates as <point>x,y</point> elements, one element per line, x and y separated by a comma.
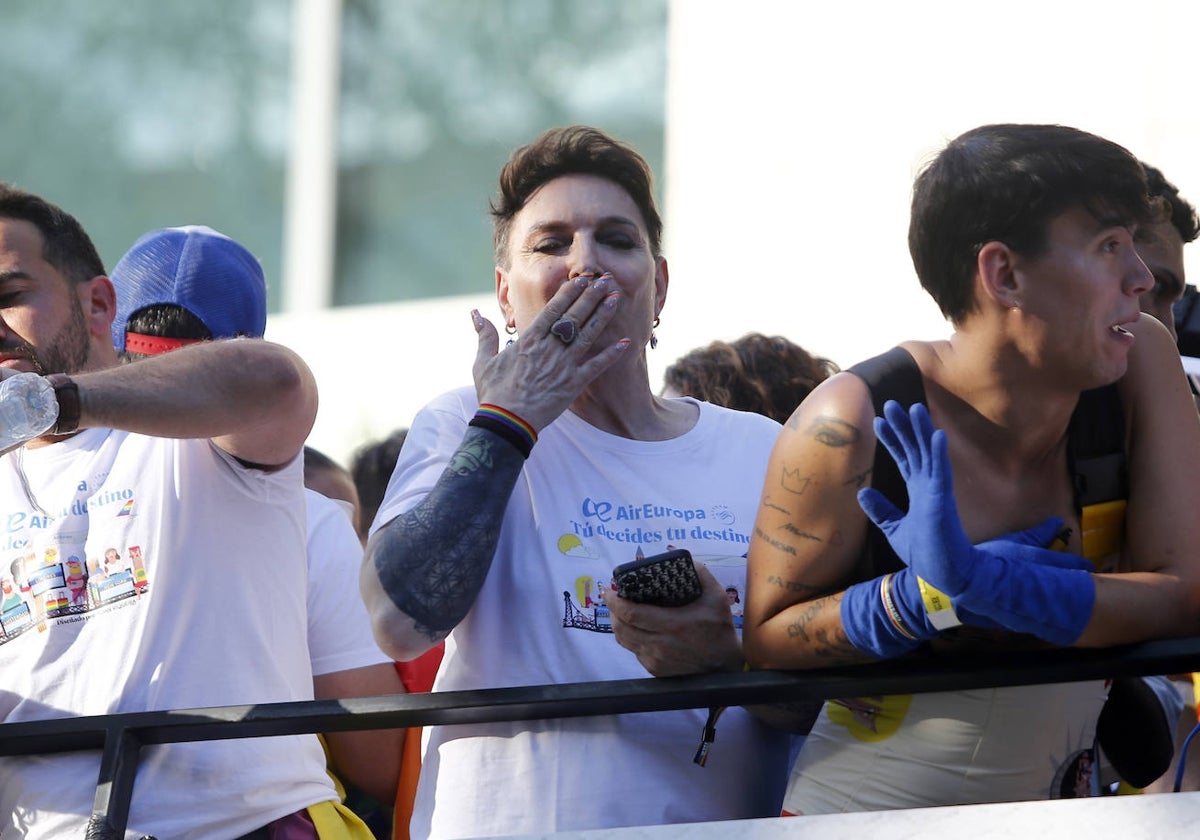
<point>792,585</point>
<point>826,644</point>
<point>774,543</point>
<point>804,535</point>
<point>770,504</point>
<point>433,559</point>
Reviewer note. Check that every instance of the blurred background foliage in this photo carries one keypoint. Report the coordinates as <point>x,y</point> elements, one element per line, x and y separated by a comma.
<point>141,114</point>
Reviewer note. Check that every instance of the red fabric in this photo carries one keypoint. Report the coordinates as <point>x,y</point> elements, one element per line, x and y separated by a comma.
<point>418,674</point>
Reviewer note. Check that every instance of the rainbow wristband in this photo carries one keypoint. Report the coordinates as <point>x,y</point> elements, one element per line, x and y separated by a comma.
<point>892,611</point>
<point>502,422</point>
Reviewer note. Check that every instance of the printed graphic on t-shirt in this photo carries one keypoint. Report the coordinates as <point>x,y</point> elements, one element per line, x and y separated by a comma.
<point>1073,780</point>
<point>874,718</point>
<point>608,533</point>
<point>59,576</point>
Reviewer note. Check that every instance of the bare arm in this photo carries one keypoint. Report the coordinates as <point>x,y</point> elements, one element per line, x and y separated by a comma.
<point>370,760</point>
<point>254,399</point>
<point>1159,593</point>
<point>810,531</point>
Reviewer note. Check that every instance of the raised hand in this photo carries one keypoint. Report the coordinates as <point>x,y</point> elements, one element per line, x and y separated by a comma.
<point>929,538</point>
<point>548,366</point>
<point>1011,582</point>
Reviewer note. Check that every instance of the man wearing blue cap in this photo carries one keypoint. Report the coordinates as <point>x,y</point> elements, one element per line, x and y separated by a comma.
<point>197,283</point>
<point>183,471</point>
<point>182,285</point>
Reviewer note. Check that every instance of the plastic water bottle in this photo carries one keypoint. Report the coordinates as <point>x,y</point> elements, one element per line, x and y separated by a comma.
<point>28,408</point>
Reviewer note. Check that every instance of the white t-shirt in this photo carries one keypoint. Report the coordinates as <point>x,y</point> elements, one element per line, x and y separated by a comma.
<point>948,748</point>
<point>339,629</point>
<point>584,503</point>
<point>191,594</point>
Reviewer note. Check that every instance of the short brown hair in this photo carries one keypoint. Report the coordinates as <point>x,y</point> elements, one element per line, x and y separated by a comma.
<point>572,150</point>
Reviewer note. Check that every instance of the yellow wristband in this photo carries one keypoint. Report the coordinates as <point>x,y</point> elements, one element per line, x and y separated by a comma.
<point>938,606</point>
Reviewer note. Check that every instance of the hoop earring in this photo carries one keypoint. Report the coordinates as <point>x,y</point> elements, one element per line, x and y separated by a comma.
<point>511,329</point>
<point>653,337</point>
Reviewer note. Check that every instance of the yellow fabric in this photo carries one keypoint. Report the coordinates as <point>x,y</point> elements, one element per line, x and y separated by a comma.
<point>337,783</point>
<point>1124,788</point>
<point>334,821</point>
<point>1103,527</point>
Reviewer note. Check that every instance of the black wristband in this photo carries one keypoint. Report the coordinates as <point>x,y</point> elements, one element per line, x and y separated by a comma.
<point>66,391</point>
<point>497,427</point>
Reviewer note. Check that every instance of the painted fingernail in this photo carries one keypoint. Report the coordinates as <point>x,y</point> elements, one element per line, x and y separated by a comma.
<point>623,343</point>
<point>476,319</point>
<point>611,299</point>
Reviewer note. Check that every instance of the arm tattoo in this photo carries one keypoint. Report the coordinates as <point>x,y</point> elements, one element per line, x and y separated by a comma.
<point>791,585</point>
<point>769,504</point>
<point>433,559</point>
<point>833,432</point>
<point>774,543</point>
<point>861,479</point>
<point>792,529</point>
<point>831,645</point>
<point>792,481</point>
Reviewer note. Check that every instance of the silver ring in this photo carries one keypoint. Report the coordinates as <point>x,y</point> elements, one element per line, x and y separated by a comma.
<point>564,329</point>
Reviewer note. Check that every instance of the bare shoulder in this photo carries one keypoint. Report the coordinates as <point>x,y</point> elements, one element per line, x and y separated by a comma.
<point>836,414</point>
<point>1153,360</point>
<point>809,530</point>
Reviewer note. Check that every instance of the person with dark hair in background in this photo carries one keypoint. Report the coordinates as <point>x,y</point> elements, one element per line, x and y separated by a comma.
<point>1160,242</point>
<point>371,467</point>
<point>188,468</point>
<point>326,476</point>
<point>513,501</point>
<point>1160,245</point>
<point>181,286</point>
<point>1066,422</point>
<point>766,375</point>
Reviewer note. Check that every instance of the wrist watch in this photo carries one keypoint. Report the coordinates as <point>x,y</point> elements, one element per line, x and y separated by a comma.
<point>67,394</point>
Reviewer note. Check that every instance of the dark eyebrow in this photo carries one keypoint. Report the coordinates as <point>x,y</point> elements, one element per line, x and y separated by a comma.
<point>618,220</point>
<point>542,227</point>
<point>5,276</point>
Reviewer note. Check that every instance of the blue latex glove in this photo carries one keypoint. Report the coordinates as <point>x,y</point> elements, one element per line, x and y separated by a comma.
<point>1037,537</point>
<point>886,627</point>
<point>929,538</point>
<point>870,628</point>
<point>1024,588</point>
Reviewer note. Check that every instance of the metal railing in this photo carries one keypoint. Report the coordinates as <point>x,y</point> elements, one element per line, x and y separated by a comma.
<point>121,736</point>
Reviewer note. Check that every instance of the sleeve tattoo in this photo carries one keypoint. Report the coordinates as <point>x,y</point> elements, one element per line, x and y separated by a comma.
<point>432,560</point>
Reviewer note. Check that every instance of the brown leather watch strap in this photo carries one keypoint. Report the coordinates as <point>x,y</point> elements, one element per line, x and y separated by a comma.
<point>67,394</point>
